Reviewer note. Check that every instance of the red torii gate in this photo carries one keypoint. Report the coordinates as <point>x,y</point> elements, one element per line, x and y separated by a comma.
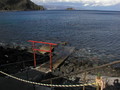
<point>34,49</point>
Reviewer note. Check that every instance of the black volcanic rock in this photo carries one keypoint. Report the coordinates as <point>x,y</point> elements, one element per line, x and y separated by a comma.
<point>19,5</point>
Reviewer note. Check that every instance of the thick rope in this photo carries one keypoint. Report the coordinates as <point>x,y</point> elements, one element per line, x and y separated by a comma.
<point>42,84</point>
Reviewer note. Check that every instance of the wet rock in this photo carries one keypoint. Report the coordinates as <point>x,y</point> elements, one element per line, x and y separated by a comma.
<point>3,45</point>
<point>69,70</point>
<point>23,48</point>
<point>66,63</point>
<point>62,68</point>
<point>56,72</point>
<point>71,64</point>
<point>6,56</point>
<point>73,78</point>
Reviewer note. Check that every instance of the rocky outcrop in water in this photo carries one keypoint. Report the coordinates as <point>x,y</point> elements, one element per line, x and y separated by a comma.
<point>19,5</point>
<point>70,9</point>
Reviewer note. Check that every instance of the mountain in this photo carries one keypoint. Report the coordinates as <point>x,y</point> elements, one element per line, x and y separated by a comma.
<point>19,5</point>
<point>55,7</point>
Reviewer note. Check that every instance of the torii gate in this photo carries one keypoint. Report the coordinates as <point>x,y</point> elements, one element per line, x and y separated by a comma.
<point>34,51</point>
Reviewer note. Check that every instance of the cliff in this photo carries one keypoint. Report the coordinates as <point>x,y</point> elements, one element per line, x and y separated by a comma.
<point>19,5</point>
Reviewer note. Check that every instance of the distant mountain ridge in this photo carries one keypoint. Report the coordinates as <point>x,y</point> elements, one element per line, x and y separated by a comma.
<point>19,5</point>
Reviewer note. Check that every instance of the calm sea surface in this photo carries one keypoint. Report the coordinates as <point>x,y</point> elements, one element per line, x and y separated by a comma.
<point>97,30</point>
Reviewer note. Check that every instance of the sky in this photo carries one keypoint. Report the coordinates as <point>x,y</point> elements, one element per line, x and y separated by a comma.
<point>83,4</point>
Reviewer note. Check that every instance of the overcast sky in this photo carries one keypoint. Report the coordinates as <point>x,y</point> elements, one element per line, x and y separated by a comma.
<point>100,4</point>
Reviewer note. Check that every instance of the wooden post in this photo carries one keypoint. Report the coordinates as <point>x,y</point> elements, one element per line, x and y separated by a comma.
<point>84,79</point>
<point>51,57</point>
<point>97,88</point>
<point>33,46</point>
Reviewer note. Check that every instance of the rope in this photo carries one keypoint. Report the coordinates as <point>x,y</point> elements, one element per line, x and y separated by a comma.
<point>42,84</point>
<point>86,70</point>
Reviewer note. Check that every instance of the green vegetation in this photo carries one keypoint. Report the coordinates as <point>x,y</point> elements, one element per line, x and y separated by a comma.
<point>19,5</point>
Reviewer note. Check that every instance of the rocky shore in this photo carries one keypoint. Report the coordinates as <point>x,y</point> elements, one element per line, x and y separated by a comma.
<point>80,59</point>
<point>16,58</point>
<point>83,59</point>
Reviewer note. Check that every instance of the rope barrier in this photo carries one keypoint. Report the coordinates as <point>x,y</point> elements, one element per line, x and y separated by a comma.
<point>42,84</point>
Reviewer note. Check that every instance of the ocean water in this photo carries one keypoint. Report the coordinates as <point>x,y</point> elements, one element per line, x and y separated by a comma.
<point>96,30</point>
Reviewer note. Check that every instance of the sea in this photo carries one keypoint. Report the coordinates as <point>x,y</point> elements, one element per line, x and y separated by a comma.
<point>94,30</point>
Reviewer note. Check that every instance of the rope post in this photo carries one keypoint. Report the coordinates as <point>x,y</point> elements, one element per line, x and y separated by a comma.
<point>84,79</point>
<point>98,79</point>
<point>51,82</point>
<point>33,46</point>
<point>100,82</point>
<point>97,88</point>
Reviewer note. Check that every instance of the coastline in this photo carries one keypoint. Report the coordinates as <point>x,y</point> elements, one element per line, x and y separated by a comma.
<point>76,62</point>
<point>82,58</point>
<point>18,10</point>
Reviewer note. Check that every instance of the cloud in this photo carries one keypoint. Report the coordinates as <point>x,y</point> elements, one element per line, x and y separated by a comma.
<point>101,2</point>
<point>84,2</point>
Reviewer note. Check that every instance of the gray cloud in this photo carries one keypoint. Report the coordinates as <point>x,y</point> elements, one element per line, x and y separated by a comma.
<point>84,2</point>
